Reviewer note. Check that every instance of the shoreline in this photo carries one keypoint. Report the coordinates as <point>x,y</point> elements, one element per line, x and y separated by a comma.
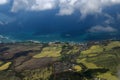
<point>10,39</point>
<point>70,42</point>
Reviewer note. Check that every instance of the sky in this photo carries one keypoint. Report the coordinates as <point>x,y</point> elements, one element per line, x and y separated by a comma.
<point>93,16</point>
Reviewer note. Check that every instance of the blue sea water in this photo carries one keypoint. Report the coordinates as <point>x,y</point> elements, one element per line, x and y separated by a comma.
<point>45,26</point>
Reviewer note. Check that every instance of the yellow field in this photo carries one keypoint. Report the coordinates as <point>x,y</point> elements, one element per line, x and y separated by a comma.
<point>74,50</point>
<point>87,64</point>
<point>108,76</point>
<point>5,66</point>
<point>77,68</point>
<point>112,45</point>
<point>93,49</point>
<point>50,51</point>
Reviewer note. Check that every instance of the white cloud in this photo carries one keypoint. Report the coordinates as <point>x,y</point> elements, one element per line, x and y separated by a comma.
<point>22,5</point>
<point>66,7</point>
<point>33,5</point>
<point>43,5</point>
<point>3,2</point>
<point>102,29</point>
<point>87,6</point>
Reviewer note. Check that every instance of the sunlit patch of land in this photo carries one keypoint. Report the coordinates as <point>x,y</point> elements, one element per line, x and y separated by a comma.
<point>5,66</point>
<point>77,68</point>
<point>89,65</point>
<point>51,51</point>
<point>107,76</point>
<point>93,49</point>
<point>112,45</point>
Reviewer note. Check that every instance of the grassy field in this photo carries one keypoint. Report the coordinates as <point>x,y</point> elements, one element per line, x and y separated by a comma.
<point>112,45</point>
<point>108,76</point>
<point>37,74</point>
<point>74,49</point>
<point>51,51</point>
<point>93,49</point>
<point>86,62</point>
<point>5,66</point>
<point>89,65</point>
<point>77,68</point>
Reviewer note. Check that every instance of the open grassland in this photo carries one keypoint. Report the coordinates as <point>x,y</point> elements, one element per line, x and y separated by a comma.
<point>100,56</point>
<point>112,45</point>
<point>107,59</point>
<point>24,61</point>
<point>77,68</point>
<point>50,51</point>
<point>5,66</point>
<point>107,76</point>
<point>37,74</point>
<point>89,65</point>
<point>93,49</point>
<point>74,49</point>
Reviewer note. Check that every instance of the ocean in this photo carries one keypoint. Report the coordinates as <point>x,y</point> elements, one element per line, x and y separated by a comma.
<point>45,26</point>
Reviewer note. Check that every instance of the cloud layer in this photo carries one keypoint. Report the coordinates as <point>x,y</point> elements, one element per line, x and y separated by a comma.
<point>102,29</point>
<point>33,5</point>
<point>66,7</point>
<point>2,2</point>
